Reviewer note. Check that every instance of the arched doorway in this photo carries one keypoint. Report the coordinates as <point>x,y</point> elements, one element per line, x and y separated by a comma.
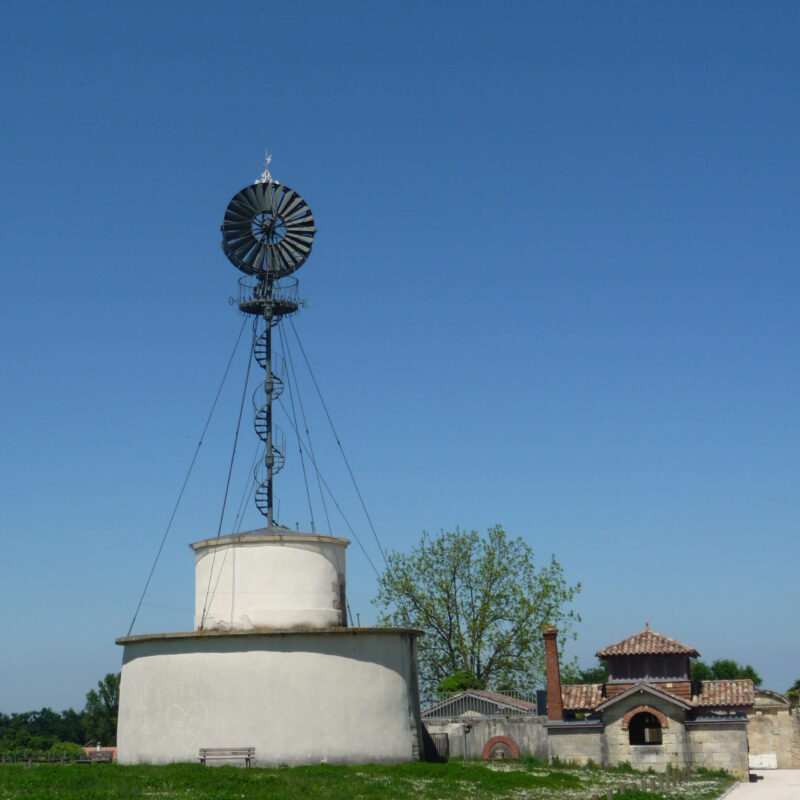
<point>644,728</point>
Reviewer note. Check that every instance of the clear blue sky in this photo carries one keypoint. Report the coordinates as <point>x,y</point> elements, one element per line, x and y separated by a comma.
<point>555,286</point>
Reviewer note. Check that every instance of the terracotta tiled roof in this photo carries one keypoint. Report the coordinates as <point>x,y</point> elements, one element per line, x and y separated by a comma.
<point>581,697</point>
<point>721,694</point>
<point>647,642</point>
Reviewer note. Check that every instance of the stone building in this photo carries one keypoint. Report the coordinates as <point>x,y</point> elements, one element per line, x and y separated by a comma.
<point>648,713</point>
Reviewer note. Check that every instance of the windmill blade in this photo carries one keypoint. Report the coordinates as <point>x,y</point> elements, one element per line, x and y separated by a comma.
<point>297,243</point>
<point>293,207</point>
<point>275,194</point>
<point>250,193</point>
<point>259,190</point>
<point>305,221</point>
<point>257,257</point>
<point>241,204</point>
<point>303,231</point>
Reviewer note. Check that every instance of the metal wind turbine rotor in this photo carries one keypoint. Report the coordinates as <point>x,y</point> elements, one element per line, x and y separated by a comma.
<point>267,233</point>
<point>268,228</point>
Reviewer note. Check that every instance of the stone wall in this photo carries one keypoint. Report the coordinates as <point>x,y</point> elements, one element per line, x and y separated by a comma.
<point>718,745</point>
<point>527,732</point>
<point>769,736</point>
<point>673,749</point>
<point>702,744</point>
<point>577,744</point>
<point>773,736</point>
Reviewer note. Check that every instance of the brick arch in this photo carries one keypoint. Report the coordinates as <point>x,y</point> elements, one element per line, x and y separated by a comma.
<point>506,740</point>
<point>662,720</point>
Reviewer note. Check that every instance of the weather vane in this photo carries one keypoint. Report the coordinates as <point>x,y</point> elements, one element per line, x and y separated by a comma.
<point>266,175</point>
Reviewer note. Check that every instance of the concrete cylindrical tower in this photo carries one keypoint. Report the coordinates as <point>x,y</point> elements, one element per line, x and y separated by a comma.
<point>270,578</point>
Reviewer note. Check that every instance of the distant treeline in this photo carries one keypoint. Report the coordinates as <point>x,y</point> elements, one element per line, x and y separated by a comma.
<point>723,669</point>
<point>49,730</point>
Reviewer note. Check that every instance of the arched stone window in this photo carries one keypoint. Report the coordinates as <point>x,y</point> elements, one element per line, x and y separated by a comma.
<point>644,728</point>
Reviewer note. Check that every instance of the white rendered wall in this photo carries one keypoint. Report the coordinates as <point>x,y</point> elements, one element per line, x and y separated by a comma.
<point>347,696</point>
<point>284,581</point>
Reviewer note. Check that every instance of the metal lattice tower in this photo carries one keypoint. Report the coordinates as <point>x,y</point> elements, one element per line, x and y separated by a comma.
<point>267,233</point>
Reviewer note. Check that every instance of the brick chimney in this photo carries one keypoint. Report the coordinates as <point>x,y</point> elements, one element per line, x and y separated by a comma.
<point>555,706</point>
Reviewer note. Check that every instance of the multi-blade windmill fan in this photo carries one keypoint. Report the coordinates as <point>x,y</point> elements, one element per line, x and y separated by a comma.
<point>268,229</point>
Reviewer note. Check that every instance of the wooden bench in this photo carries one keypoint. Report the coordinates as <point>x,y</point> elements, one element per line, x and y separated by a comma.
<point>227,753</point>
<point>99,756</point>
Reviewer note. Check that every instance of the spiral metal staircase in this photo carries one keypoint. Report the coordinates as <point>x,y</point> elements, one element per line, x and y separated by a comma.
<point>267,233</point>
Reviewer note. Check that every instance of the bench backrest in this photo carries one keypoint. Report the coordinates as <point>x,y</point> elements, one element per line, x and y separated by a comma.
<point>102,755</point>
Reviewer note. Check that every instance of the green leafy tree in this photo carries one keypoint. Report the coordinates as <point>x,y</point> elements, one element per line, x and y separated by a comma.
<point>571,673</point>
<point>102,709</point>
<point>71,727</point>
<point>723,669</point>
<point>793,693</point>
<point>67,750</point>
<point>39,730</point>
<point>458,682</point>
<point>44,723</point>
<point>700,671</point>
<point>728,669</point>
<point>482,603</point>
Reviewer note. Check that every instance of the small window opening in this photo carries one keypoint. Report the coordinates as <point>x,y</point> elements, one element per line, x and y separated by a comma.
<point>644,728</point>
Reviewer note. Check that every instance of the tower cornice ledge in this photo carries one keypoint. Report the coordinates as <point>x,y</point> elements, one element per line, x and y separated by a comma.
<point>152,637</point>
<point>264,535</point>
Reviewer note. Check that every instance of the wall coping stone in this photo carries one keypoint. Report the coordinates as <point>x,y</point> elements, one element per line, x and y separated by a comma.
<point>574,724</point>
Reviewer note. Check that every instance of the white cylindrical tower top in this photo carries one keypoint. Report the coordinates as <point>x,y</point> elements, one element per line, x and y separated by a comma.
<point>270,578</point>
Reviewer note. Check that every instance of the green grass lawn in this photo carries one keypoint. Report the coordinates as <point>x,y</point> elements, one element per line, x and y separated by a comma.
<point>416,781</point>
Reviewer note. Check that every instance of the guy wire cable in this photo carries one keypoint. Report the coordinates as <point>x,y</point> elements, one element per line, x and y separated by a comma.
<point>238,519</point>
<point>335,502</point>
<point>186,479</point>
<point>230,471</point>
<point>291,377</point>
<point>308,432</point>
<point>297,430</point>
<point>338,442</point>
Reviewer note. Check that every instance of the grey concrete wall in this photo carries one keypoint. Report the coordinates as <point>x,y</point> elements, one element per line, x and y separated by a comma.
<point>577,745</point>
<point>528,733</point>
<point>298,698</point>
<point>718,746</point>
